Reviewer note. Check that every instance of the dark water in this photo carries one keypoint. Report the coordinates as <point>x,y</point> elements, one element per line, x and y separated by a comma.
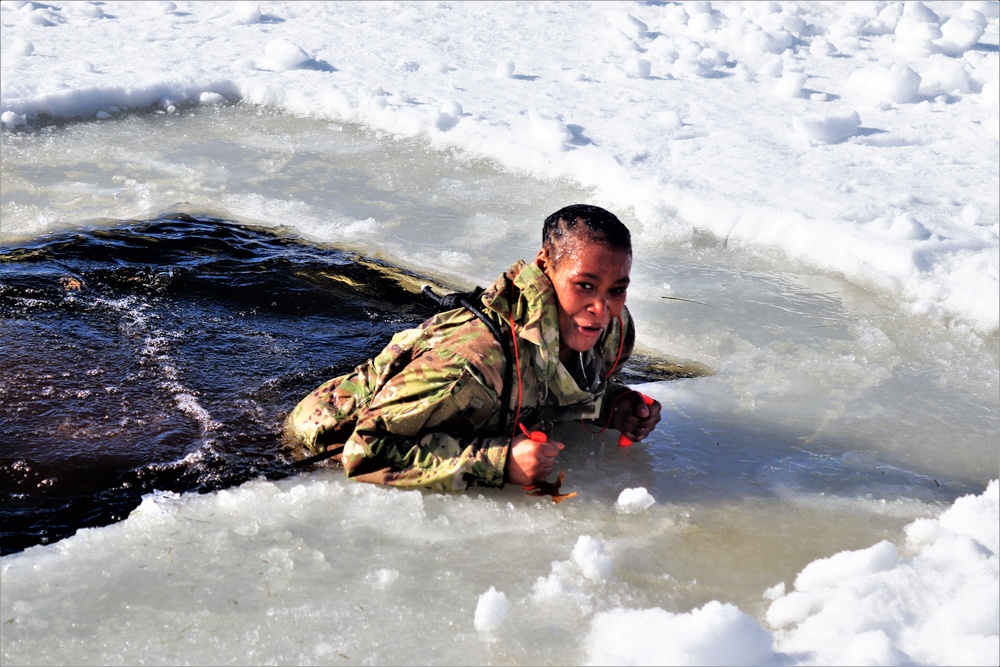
<point>165,355</point>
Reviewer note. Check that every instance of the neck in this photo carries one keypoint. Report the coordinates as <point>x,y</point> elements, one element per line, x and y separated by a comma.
<point>566,354</point>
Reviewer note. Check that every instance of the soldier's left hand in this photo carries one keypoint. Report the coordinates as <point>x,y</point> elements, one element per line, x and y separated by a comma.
<point>633,418</point>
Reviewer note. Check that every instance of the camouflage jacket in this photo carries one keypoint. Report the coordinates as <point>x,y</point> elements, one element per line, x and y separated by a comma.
<point>426,411</point>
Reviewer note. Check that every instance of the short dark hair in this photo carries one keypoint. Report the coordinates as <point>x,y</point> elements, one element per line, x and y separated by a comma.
<point>597,224</point>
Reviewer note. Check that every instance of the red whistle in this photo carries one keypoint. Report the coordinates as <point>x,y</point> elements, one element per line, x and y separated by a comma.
<point>536,436</point>
<point>624,441</point>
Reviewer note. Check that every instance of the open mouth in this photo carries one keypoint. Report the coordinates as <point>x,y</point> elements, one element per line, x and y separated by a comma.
<point>589,330</point>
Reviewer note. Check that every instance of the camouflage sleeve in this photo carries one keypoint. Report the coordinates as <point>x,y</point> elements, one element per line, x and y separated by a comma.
<point>424,429</point>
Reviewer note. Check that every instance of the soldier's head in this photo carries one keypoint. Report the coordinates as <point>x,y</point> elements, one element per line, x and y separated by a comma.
<point>587,255</point>
<point>583,221</point>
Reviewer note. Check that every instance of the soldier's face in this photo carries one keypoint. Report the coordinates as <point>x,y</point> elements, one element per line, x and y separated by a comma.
<point>591,281</point>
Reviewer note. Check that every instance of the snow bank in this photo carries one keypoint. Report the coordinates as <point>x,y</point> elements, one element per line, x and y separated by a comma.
<point>933,602</point>
<point>260,572</point>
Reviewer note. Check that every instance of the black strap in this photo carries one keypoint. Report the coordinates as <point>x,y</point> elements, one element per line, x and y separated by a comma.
<point>316,458</point>
<point>470,302</point>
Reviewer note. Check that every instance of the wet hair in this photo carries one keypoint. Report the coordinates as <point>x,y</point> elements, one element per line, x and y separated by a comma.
<point>592,223</point>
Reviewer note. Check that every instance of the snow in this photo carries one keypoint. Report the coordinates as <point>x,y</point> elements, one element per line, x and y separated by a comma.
<point>636,500</point>
<point>855,140</point>
<point>651,114</point>
<point>716,634</point>
<point>875,604</point>
<point>870,606</point>
<point>589,556</point>
<point>217,566</point>
<point>491,611</point>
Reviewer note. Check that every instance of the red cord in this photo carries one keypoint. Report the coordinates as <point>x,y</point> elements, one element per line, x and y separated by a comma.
<point>517,365</point>
<point>621,346</point>
<point>611,414</point>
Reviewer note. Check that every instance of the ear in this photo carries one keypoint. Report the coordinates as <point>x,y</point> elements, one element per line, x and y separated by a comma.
<point>542,259</point>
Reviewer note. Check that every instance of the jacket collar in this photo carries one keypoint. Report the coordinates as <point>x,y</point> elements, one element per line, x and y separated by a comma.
<point>534,310</point>
<point>536,316</point>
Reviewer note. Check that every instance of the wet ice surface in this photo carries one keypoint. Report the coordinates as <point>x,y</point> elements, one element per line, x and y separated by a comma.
<point>832,420</point>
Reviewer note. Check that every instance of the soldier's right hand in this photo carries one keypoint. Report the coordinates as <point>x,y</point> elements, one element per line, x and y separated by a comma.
<point>529,461</point>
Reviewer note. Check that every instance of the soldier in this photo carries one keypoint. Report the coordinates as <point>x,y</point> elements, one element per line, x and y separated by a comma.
<point>449,403</point>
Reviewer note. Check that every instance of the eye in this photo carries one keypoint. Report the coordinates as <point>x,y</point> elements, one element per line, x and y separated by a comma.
<point>619,291</point>
<point>583,285</point>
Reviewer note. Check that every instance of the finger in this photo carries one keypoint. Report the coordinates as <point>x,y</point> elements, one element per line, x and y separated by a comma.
<point>551,449</point>
<point>631,430</point>
<point>647,422</point>
<point>646,425</point>
<point>638,431</point>
<point>633,434</point>
<point>634,423</point>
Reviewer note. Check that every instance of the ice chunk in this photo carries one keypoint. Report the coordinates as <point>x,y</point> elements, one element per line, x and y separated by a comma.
<point>671,119</point>
<point>822,47</point>
<point>11,120</point>
<point>452,108</point>
<point>897,84</point>
<point>282,54</point>
<point>905,226</point>
<point>632,501</point>
<point>89,9</point>
<point>790,84</point>
<point>716,634</point>
<point>550,133</point>
<point>588,554</point>
<point>382,579</point>
<point>845,565</point>
<point>491,610</point>
<point>637,68</point>
<point>628,24</point>
<point>246,13</point>
<point>828,129</point>
<point>449,115</point>
<point>20,47</point>
<point>959,34</point>
<point>977,517</point>
<point>792,608</point>
<point>211,98</point>
<point>505,69</point>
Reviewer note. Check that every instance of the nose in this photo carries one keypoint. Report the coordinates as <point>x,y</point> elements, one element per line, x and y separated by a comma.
<point>599,306</point>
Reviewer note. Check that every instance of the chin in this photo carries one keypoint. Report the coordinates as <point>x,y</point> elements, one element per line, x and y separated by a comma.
<point>584,346</point>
